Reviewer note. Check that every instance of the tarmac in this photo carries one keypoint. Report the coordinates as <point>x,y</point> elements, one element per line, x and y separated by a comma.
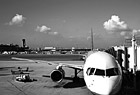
<point>41,72</point>
<point>44,85</point>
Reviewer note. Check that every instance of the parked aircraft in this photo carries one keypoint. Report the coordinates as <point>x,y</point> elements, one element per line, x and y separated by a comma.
<point>102,73</point>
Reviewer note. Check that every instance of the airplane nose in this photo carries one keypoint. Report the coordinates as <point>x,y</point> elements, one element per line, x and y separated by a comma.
<point>106,87</point>
<point>109,87</point>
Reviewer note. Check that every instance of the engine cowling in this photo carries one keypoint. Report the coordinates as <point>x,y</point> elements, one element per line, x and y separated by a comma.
<point>57,75</point>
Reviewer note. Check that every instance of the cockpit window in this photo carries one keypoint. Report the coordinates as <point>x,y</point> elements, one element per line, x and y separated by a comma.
<point>100,72</point>
<point>93,71</point>
<point>112,72</point>
<point>90,71</point>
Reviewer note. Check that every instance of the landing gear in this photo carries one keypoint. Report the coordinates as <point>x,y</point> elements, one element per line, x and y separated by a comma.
<point>76,78</point>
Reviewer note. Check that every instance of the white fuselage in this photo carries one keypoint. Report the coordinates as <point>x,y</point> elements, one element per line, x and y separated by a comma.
<point>102,73</point>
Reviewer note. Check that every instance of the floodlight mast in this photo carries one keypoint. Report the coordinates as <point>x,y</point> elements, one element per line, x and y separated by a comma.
<point>92,46</point>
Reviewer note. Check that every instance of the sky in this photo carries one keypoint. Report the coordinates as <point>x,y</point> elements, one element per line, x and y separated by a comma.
<point>67,23</point>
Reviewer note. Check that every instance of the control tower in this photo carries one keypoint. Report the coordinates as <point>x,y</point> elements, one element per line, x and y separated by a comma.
<point>24,43</point>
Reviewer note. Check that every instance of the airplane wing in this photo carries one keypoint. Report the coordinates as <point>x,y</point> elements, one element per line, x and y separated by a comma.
<point>73,66</point>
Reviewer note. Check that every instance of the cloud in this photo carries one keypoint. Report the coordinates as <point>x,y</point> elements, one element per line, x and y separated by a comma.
<point>43,29</point>
<point>17,20</point>
<point>135,32</point>
<point>53,33</point>
<point>116,25</point>
<point>129,34</point>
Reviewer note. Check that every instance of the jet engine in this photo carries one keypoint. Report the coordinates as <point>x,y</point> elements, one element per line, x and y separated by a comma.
<point>57,74</point>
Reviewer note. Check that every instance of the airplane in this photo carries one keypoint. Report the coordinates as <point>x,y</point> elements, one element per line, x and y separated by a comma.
<point>102,73</point>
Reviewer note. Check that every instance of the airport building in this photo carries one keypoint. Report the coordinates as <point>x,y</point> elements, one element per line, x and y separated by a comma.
<point>12,48</point>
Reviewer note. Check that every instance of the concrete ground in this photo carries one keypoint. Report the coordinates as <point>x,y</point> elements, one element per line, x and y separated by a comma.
<point>43,85</point>
<point>41,72</point>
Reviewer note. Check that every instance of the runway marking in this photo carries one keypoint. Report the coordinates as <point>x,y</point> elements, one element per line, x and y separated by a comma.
<point>17,88</point>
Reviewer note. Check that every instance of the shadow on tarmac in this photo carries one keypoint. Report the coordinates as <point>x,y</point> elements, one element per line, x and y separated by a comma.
<point>5,74</point>
<point>3,71</point>
<point>5,68</point>
<point>73,84</point>
<point>79,83</point>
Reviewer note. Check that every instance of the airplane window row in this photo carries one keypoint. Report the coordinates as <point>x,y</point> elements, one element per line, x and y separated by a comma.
<point>99,72</point>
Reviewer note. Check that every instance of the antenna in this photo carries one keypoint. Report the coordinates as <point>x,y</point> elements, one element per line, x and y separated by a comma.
<point>92,46</point>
